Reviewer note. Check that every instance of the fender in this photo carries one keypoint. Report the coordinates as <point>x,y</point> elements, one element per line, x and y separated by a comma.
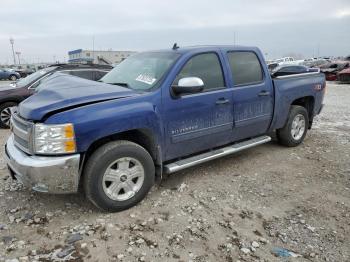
<point>95,121</point>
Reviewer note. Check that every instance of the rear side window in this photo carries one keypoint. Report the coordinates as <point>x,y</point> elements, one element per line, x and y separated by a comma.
<point>245,68</point>
<point>205,66</point>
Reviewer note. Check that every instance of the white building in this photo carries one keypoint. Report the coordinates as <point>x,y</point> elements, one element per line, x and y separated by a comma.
<point>98,57</point>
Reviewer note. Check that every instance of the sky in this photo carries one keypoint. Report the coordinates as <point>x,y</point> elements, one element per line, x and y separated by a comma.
<point>45,30</point>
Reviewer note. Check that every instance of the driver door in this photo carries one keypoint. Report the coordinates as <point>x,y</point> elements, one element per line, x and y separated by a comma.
<point>200,121</point>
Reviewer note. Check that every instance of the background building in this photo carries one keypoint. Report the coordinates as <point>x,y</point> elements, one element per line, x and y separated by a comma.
<point>98,57</point>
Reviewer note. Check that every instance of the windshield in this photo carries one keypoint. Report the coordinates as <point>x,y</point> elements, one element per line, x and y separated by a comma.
<point>141,71</point>
<point>33,77</point>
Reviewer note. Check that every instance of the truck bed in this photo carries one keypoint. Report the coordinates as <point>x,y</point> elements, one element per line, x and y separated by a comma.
<point>291,87</point>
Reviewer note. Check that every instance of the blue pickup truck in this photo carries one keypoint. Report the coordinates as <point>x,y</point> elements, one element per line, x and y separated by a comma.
<point>157,112</point>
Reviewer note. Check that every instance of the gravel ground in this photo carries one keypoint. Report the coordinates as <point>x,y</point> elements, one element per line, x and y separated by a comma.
<point>238,208</point>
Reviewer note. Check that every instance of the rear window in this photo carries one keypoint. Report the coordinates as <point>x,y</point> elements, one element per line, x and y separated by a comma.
<point>245,68</point>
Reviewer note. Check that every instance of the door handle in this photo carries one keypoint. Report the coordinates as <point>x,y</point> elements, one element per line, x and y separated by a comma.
<point>264,93</point>
<point>222,101</point>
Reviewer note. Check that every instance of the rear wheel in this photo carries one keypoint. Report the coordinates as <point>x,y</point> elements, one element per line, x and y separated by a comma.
<point>13,77</point>
<point>118,175</point>
<point>5,114</point>
<point>294,132</point>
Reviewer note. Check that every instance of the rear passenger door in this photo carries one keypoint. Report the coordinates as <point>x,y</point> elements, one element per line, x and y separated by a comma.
<point>252,95</point>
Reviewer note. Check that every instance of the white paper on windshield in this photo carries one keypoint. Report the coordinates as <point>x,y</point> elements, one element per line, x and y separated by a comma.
<point>145,79</point>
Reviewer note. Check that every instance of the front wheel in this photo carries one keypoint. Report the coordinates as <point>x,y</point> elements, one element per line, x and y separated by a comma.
<point>294,131</point>
<point>118,175</point>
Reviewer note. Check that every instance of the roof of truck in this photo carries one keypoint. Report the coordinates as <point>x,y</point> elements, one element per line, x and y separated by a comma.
<point>204,48</point>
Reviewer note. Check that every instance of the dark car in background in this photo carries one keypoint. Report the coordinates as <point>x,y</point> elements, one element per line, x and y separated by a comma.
<point>9,74</point>
<point>332,69</point>
<point>344,76</point>
<point>16,92</point>
<point>284,70</point>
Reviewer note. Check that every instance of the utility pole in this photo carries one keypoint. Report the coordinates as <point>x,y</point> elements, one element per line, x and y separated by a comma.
<point>12,41</point>
<point>93,49</point>
<point>18,54</point>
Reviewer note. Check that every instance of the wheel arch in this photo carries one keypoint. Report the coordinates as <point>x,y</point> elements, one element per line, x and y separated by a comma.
<point>308,102</point>
<point>143,137</point>
<point>13,99</point>
<point>9,77</point>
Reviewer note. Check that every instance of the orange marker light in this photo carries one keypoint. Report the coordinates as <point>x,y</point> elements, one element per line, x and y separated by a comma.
<point>69,131</point>
<point>69,146</point>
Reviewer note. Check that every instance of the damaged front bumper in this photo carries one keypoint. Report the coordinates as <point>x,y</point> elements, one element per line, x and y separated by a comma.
<point>50,174</point>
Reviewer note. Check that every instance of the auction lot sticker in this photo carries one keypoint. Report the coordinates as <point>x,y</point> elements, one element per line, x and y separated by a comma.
<point>146,79</point>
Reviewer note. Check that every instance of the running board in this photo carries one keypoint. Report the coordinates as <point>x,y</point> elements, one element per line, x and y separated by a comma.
<point>198,159</point>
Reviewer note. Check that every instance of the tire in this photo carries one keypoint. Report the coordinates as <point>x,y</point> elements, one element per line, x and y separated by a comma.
<point>112,192</point>
<point>13,78</point>
<point>289,134</point>
<point>5,114</point>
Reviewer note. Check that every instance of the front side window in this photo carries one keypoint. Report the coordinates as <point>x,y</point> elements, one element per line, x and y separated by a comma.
<point>245,68</point>
<point>205,66</point>
<point>141,71</point>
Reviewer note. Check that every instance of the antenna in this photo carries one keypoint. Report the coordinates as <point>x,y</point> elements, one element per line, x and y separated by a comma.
<point>175,46</point>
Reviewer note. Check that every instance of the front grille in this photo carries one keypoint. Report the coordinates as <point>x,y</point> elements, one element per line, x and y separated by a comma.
<point>23,143</point>
<point>22,130</point>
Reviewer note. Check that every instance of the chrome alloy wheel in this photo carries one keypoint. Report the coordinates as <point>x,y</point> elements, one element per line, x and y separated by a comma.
<point>298,127</point>
<point>5,115</point>
<point>123,179</point>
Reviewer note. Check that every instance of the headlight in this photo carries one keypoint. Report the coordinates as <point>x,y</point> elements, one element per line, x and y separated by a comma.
<point>54,139</point>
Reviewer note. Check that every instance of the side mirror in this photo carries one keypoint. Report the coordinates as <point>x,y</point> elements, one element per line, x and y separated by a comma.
<point>188,85</point>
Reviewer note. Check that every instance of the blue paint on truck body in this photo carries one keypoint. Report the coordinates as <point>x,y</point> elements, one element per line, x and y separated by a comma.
<point>179,126</point>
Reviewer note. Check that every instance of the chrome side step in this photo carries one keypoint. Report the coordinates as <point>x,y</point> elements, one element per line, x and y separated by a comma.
<point>198,159</point>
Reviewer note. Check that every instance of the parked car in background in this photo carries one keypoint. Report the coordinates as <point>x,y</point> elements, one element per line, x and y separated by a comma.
<point>344,76</point>
<point>315,62</point>
<point>332,69</point>
<point>288,61</point>
<point>9,74</point>
<point>156,112</point>
<point>16,92</point>
<point>291,70</point>
<point>285,60</point>
<point>24,71</point>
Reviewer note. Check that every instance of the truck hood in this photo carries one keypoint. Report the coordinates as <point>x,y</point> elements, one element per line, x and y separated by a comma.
<point>61,92</point>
